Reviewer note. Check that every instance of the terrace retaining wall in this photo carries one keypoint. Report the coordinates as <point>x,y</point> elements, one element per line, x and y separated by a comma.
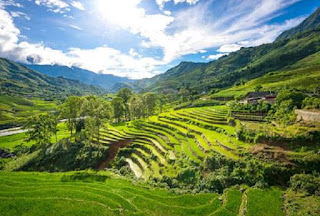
<point>308,115</point>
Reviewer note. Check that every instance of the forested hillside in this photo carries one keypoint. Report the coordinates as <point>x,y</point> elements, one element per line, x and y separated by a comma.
<point>243,65</point>
<point>16,79</point>
<point>106,81</point>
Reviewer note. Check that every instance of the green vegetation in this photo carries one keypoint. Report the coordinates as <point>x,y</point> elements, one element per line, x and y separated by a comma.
<point>283,60</point>
<point>15,110</point>
<point>264,202</point>
<point>304,75</point>
<point>17,80</point>
<point>103,193</point>
<point>14,141</point>
<point>193,150</point>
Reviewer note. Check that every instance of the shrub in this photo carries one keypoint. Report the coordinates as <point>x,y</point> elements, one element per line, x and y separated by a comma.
<point>311,103</point>
<point>293,95</point>
<point>66,156</point>
<point>306,183</point>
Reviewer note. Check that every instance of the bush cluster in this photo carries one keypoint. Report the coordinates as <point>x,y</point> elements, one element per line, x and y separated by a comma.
<point>67,156</point>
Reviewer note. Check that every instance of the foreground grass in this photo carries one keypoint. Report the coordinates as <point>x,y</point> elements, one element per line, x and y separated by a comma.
<point>264,202</point>
<point>104,193</point>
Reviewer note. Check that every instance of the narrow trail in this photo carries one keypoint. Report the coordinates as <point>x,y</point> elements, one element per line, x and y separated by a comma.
<point>113,151</point>
<point>12,131</point>
<point>244,204</point>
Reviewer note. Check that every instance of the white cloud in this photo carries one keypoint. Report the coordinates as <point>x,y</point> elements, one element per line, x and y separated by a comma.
<point>188,31</point>
<point>216,56</point>
<point>133,53</point>
<point>10,3</point>
<point>161,3</point>
<point>100,60</point>
<point>56,6</point>
<point>19,14</point>
<point>191,2</point>
<point>77,5</point>
<point>229,48</point>
<point>76,27</point>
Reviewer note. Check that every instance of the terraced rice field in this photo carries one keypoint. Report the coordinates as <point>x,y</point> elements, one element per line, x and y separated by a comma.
<point>103,193</point>
<point>154,144</point>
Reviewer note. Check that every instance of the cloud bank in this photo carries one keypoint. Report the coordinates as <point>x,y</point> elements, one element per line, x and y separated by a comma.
<point>177,33</point>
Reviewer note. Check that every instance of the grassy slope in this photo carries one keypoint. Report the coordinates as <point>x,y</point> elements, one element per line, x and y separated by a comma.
<point>245,64</point>
<point>15,110</point>
<point>105,194</point>
<point>264,202</point>
<point>297,204</point>
<point>302,74</point>
<point>9,142</point>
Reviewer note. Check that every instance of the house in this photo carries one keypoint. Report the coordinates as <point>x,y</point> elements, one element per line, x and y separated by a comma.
<point>255,97</point>
<point>271,99</point>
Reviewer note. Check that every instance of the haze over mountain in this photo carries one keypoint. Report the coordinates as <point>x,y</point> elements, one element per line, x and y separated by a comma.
<point>106,81</point>
<point>18,80</point>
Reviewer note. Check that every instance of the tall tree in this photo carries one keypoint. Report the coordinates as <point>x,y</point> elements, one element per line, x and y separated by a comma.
<point>119,108</point>
<point>97,112</point>
<point>126,94</point>
<point>71,110</point>
<point>53,125</point>
<point>40,129</point>
<point>150,102</point>
<point>162,101</point>
<point>136,106</point>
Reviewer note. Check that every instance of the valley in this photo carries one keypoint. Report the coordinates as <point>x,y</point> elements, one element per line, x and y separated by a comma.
<point>234,136</point>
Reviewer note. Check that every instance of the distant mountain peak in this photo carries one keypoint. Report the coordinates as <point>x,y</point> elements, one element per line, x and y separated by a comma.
<point>312,22</point>
<point>106,81</point>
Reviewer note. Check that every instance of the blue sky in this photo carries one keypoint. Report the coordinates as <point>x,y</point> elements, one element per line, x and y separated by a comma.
<point>140,38</point>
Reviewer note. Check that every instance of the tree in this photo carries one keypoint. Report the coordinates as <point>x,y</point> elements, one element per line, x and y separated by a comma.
<point>258,88</point>
<point>284,112</point>
<point>97,112</point>
<point>183,92</point>
<point>119,108</point>
<point>136,106</point>
<point>71,110</point>
<point>293,95</point>
<point>126,94</point>
<point>162,101</point>
<point>41,129</point>
<point>53,125</point>
<point>150,103</point>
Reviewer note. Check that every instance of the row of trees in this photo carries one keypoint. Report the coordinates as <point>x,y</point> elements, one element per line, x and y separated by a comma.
<point>85,116</point>
<point>128,106</point>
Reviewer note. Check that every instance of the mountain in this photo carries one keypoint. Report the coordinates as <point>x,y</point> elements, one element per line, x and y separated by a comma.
<point>304,75</point>
<point>168,81</point>
<point>312,22</point>
<point>106,81</point>
<point>241,66</point>
<point>118,86</point>
<point>18,80</point>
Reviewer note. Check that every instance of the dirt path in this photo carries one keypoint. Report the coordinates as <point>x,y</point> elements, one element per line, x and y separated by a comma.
<point>113,151</point>
<point>12,131</point>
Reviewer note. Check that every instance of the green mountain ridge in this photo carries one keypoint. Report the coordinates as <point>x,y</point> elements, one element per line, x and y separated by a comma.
<point>167,79</point>
<point>312,22</point>
<point>18,80</point>
<point>106,81</point>
<point>243,65</point>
